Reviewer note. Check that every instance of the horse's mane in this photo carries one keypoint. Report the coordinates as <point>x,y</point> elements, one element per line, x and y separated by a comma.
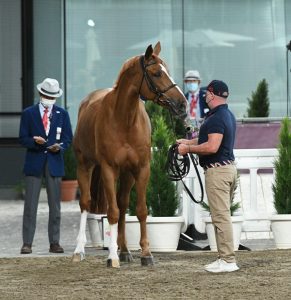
<point>127,65</point>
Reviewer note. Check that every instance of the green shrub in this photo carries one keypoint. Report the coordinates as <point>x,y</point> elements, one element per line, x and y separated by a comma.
<point>174,124</point>
<point>70,164</point>
<point>161,193</point>
<point>162,199</point>
<point>259,103</point>
<point>282,184</point>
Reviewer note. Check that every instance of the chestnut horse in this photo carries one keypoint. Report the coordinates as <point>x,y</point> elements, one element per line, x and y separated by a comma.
<point>112,143</point>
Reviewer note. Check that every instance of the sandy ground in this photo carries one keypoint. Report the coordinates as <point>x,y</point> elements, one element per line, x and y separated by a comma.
<point>179,275</point>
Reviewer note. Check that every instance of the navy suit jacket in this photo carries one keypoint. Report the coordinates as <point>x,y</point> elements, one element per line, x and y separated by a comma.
<point>37,155</point>
<point>202,103</point>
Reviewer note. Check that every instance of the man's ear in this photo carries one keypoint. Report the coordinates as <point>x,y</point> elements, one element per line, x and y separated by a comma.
<point>157,48</point>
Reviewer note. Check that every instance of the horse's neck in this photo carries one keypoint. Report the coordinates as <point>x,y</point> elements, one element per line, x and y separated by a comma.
<point>127,100</point>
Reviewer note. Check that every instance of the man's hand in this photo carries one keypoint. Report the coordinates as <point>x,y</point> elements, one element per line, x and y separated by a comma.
<point>183,141</point>
<point>54,148</point>
<point>39,140</point>
<point>183,149</point>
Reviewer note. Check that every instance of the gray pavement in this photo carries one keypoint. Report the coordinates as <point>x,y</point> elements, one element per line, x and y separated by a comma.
<point>11,227</point>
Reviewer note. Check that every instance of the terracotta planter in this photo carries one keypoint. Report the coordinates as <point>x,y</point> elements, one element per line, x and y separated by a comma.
<point>69,190</point>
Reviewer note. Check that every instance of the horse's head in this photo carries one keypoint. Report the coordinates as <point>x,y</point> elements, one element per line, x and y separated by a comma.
<point>158,86</point>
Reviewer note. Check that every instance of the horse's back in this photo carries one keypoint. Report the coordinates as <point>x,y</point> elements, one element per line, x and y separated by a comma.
<point>89,113</point>
<point>93,99</point>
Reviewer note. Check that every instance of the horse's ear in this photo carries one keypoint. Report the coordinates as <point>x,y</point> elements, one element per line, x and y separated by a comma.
<point>149,52</point>
<point>157,48</point>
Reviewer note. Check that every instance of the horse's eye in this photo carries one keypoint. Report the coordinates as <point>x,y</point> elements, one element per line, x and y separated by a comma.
<point>158,74</point>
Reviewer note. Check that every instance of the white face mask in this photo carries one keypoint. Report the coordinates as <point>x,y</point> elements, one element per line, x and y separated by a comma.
<point>192,86</point>
<point>46,102</point>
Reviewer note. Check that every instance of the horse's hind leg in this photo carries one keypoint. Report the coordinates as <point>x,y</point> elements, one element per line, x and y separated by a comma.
<point>126,183</point>
<point>84,179</point>
<point>142,212</point>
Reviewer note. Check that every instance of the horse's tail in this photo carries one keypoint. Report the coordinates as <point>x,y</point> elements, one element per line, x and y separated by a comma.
<point>98,199</point>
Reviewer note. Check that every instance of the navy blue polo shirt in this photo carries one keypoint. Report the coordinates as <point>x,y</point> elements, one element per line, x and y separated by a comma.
<point>218,120</point>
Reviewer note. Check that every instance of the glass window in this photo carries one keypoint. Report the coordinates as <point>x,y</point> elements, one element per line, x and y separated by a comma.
<point>240,42</point>
<point>101,35</point>
<point>10,56</point>
<point>48,45</point>
<point>10,71</point>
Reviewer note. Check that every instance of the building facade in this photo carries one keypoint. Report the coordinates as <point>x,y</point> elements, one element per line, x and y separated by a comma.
<point>83,44</point>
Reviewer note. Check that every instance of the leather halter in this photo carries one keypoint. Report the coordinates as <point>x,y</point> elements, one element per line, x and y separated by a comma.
<point>153,88</point>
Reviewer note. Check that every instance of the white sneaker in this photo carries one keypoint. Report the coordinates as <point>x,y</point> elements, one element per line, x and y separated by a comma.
<point>222,266</point>
<point>213,265</point>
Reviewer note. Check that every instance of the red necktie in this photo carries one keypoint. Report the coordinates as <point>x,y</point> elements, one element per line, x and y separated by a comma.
<point>45,118</point>
<point>193,106</point>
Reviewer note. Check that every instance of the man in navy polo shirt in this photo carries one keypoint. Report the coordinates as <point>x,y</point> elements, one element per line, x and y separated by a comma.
<point>214,147</point>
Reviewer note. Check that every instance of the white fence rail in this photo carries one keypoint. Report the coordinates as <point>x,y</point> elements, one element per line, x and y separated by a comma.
<point>254,193</point>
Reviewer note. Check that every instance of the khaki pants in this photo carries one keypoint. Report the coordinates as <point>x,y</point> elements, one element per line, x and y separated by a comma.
<point>219,184</point>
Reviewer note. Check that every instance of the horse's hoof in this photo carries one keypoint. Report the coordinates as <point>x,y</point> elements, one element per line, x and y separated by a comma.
<point>147,260</point>
<point>125,257</point>
<point>78,257</point>
<point>113,263</point>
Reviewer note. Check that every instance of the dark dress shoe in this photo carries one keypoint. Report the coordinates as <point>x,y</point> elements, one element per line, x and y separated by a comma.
<point>56,248</point>
<point>26,249</point>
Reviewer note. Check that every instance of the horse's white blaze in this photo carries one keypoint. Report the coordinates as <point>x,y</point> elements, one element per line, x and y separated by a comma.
<point>81,239</point>
<point>165,70</point>
<point>113,242</point>
<point>172,80</point>
<point>179,90</point>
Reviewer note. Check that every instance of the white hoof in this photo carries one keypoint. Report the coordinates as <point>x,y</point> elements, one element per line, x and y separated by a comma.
<point>78,257</point>
<point>113,263</point>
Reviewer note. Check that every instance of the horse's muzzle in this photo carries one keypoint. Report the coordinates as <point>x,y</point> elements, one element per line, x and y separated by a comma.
<point>179,109</point>
<point>182,116</point>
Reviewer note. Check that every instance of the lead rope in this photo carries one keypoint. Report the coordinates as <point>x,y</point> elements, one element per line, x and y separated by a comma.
<point>178,166</point>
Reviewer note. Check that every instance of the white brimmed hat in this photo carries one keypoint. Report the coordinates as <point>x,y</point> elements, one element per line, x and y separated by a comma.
<point>50,87</point>
<point>192,75</point>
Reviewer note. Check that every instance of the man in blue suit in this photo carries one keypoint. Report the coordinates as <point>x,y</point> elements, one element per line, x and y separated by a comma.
<point>45,131</point>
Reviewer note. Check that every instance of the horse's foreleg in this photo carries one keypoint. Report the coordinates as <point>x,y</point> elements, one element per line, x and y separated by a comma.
<point>142,212</point>
<point>79,253</point>
<point>109,179</point>
<point>84,179</point>
<point>125,185</point>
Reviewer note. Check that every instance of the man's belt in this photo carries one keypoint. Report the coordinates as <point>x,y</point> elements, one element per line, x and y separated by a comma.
<point>219,164</point>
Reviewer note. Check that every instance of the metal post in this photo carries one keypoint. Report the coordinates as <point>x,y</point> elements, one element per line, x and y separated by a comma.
<point>288,46</point>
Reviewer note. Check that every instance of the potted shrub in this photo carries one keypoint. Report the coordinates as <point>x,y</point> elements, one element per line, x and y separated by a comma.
<point>237,221</point>
<point>163,226</point>
<point>162,196</point>
<point>281,223</point>
<point>69,182</point>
